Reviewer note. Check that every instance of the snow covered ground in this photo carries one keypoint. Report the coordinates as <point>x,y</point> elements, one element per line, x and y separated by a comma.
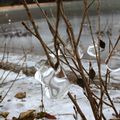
<point>61,108</point>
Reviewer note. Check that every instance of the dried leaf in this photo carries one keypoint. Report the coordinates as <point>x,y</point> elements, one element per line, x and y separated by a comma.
<point>80,82</point>
<point>21,95</point>
<point>30,71</point>
<point>14,118</point>
<point>28,115</point>
<point>49,116</point>
<point>40,115</point>
<point>45,115</point>
<point>0,97</point>
<point>4,114</point>
<point>91,72</point>
<point>102,44</point>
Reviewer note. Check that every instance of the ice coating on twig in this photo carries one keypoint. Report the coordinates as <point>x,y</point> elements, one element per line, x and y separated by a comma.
<point>55,83</point>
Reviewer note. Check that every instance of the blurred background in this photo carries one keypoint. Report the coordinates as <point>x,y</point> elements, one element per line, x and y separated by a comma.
<point>18,2</point>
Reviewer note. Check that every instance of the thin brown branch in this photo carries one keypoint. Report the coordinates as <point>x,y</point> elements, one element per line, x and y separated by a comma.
<point>69,29</point>
<point>68,63</point>
<point>27,28</point>
<point>51,27</point>
<point>77,106</point>
<point>83,19</point>
<point>11,86</point>
<point>103,100</point>
<point>37,34</point>
<point>107,60</point>
<point>56,43</point>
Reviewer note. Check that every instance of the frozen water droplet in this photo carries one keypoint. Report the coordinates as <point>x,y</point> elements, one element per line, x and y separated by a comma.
<point>114,63</point>
<point>91,50</point>
<point>59,87</point>
<point>54,86</point>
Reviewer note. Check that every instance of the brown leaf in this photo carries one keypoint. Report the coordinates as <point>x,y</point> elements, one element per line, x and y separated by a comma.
<point>102,44</point>
<point>4,114</point>
<point>80,82</point>
<point>40,115</point>
<point>30,71</point>
<point>21,95</point>
<point>28,115</point>
<point>91,72</point>
<point>0,97</point>
<point>49,116</point>
<point>45,115</point>
<point>14,118</point>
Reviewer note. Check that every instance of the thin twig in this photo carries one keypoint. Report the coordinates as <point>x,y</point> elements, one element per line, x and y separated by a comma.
<point>108,58</point>
<point>68,63</point>
<point>37,33</point>
<point>77,106</point>
<point>56,43</point>
<point>51,27</point>
<point>83,19</point>
<point>10,86</point>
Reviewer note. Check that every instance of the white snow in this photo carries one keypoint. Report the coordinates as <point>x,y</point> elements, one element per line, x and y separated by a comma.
<point>61,108</point>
